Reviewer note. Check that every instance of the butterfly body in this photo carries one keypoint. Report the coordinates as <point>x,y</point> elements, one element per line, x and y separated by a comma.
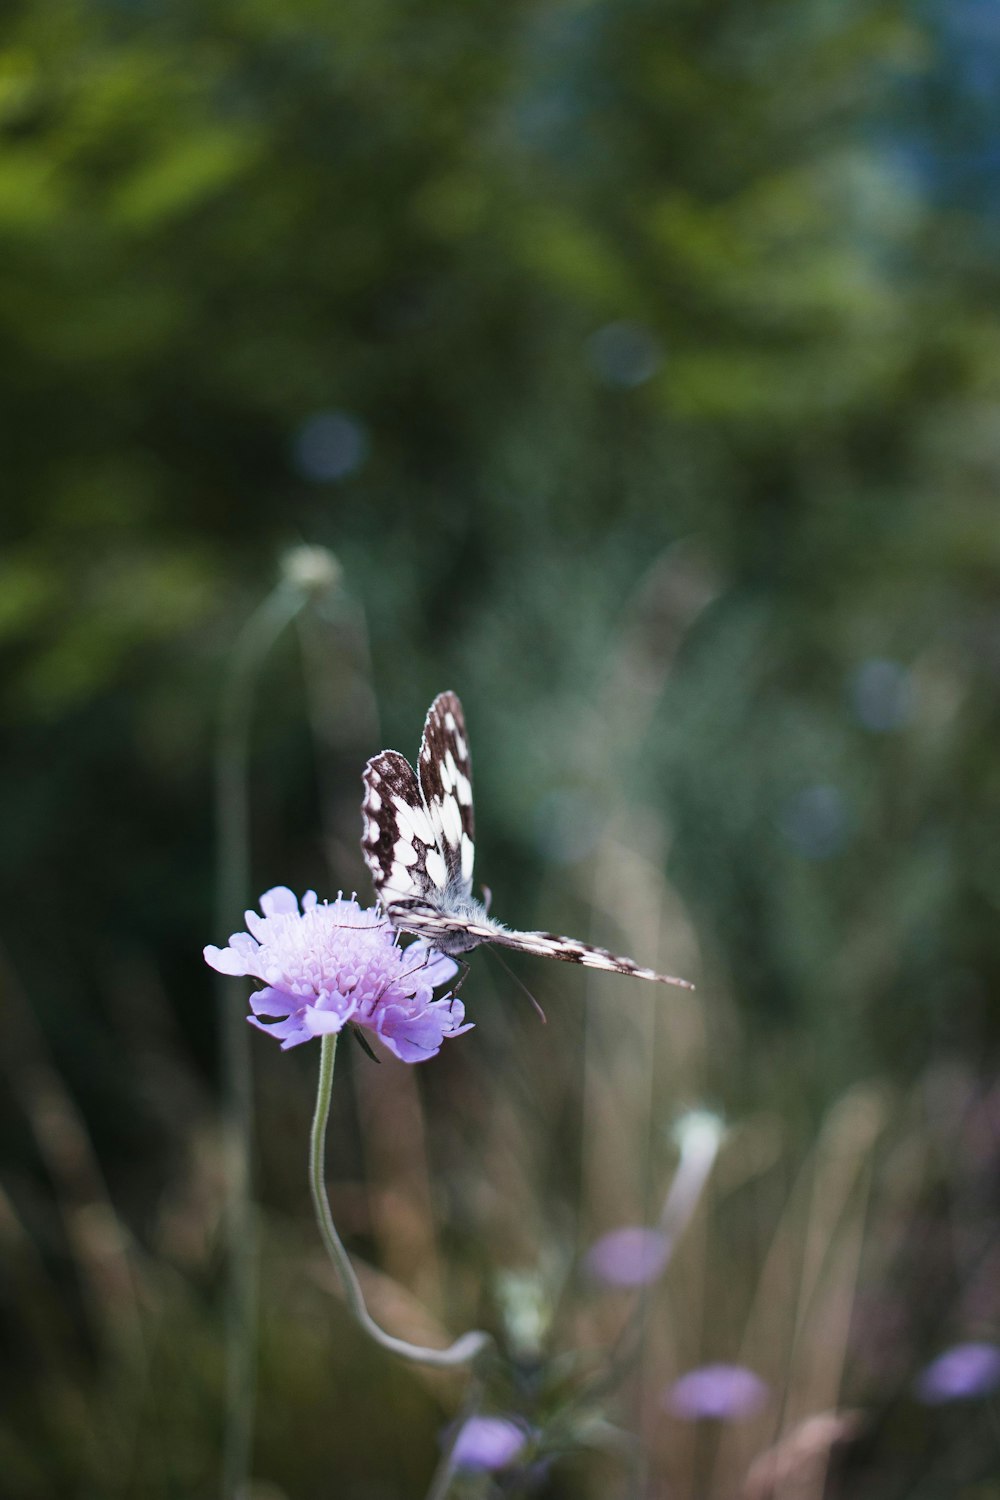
<point>419,844</point>
<point>468,923</point>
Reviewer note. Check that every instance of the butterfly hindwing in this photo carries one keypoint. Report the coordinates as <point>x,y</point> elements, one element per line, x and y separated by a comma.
<point>445,771</point>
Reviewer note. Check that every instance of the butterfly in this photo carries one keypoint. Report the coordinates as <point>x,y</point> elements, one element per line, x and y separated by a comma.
<point>419,845</point>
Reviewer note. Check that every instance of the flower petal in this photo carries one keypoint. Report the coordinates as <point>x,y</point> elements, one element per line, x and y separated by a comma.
<point>272,1002</point>
<point>436,968</point>
<point>289,1032</point>
<point>322,1022</point>
<point>258,925</point>
<point>415,1033</point>
<point>279,901</point>
<point>225,960</point>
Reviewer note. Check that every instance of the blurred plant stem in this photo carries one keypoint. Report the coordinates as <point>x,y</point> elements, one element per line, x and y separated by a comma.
<point>445,1472</point>
<point>465,1349</point>
<point>699,1135</point>
<point>262,629</point>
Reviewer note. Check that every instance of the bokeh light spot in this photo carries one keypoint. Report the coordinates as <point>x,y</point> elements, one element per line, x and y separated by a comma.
<point>624,354</point>
<point>566,828</point>
<point>882,695</point>
<point>815,821</point>
<point>329,445</point>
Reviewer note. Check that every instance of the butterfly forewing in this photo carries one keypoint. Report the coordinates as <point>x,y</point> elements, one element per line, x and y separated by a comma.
<point>399,843</point>
<point>445,772</point>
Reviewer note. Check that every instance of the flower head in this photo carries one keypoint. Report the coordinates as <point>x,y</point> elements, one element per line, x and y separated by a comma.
<point>723,1392</point>
<point>312,569</point>
<point>338,962</point>
<point>960,1373</point>
<point>485,1444</point>
<point>631,1256</point>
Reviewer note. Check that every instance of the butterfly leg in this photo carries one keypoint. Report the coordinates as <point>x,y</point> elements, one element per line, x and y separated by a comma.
<point>487,897</point>
<point>405,975</point>
<point>461,979</point>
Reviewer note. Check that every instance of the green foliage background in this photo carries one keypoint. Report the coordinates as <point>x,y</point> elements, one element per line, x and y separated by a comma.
<point>220,219</point>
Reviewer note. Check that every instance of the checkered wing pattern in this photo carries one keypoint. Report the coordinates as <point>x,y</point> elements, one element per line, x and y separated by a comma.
<point>445,772</point>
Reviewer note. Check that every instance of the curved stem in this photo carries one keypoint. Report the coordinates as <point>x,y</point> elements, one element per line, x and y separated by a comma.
<point>465,1349</point>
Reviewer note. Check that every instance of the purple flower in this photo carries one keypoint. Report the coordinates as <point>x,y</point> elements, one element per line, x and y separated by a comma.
<point>632,1256</point>
<point>728,1393</point>
<point>340,962</point>
<point>487,1443</point>
<point>960,1373</point>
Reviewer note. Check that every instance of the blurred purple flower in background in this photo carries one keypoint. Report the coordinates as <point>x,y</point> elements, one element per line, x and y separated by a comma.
<point>632,1256</point>
<point>336,963</point>
<point>965,1371</point>
<point>728,1393</point>
<point>488,1443</point>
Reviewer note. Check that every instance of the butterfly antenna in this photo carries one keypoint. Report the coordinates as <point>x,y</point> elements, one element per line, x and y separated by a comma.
<point>519,982</point>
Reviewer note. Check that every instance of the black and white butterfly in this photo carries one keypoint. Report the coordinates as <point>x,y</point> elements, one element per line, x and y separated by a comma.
<point>418,842</point>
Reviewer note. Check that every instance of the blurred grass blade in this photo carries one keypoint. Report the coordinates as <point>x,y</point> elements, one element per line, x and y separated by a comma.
<point>232,893</point>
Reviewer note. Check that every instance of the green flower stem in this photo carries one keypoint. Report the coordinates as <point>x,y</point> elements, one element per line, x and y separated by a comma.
<point>464,1350</point>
